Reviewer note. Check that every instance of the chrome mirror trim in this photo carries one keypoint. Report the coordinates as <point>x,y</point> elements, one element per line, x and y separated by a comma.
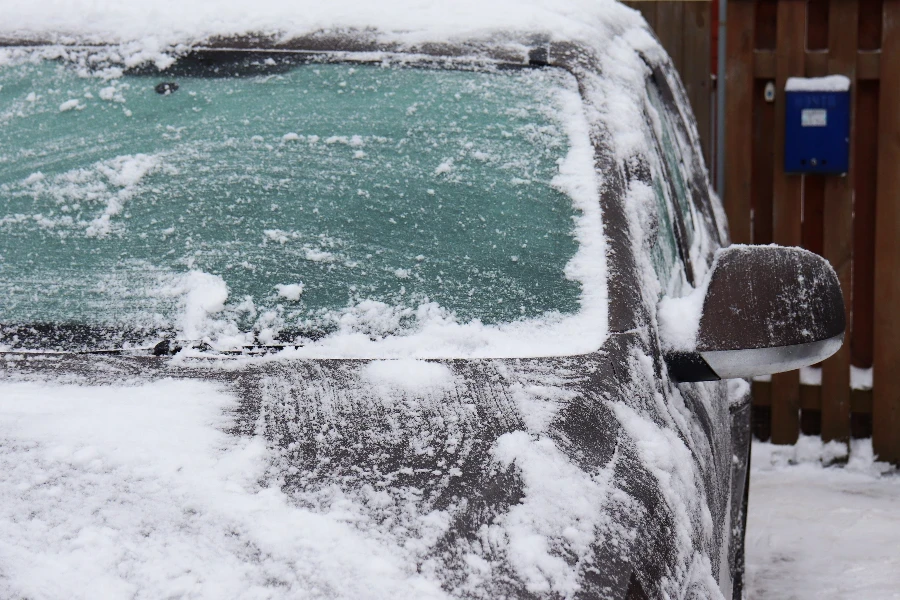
<point>729,364</point>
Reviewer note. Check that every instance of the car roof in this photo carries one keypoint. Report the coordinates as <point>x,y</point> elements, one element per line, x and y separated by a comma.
<point>152,27</point>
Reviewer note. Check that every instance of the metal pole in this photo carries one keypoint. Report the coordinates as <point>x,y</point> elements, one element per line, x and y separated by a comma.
<point>720,102</point>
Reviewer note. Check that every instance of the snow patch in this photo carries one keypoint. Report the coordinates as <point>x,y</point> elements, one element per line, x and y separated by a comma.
<point>290,291</point>
<point>445,167</point>
<point>860,379</point>
<point>74,104</point>
<point>316,255</point>
<point>810,376</point>
<point>406,374</point>
<point>679,320</point>
<point>560,516</point>
<point>201,295</point>
<point>110,183</point>
<point>831,83</point>
<point>822,532</point>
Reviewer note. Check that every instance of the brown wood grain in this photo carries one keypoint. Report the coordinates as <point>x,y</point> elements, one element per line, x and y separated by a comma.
<point>813,227</point>
<point>886,384</point>
<point>763,165</point>
<point>817,19</point>
<point>817,63</point>
<point>761,414</point>
<point>868,64</point>
<point>766,19</point>
<point>810,397</point>
<point>695,70</point>
<point>870,24</point>
<point>838,234</point>
<point>865,167</point>
<point>786,213</point>
<point>669,25</point>
<point>739,117</point>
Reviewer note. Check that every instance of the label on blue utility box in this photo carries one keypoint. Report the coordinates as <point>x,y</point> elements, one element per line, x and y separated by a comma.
<point>814,117</point>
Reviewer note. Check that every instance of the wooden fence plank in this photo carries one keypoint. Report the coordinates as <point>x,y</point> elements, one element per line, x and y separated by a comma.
<point>868,64</point>
<point>811,409</point>
<point>695,69</point>
<point>865,166</point>
<point>786,212</point>
<point>838,235</point>
<point>763,165</point>
<point>813,227</point>
<point>669,25</point>
<point>870,12</point>
<point>817,18</point>
<point>761,414</point>
<point>886,384</point>
<point>766,19</point>
<point>739,117</point>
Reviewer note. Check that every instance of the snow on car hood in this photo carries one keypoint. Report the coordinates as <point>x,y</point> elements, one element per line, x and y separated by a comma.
<point>343,479</point>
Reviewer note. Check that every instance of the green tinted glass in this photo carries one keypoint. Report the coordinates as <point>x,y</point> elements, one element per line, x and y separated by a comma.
<point>672,155</point>
<point>305,191</point>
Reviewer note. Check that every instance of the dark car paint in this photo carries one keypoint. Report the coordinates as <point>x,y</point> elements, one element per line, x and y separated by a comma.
<point>585,428</point>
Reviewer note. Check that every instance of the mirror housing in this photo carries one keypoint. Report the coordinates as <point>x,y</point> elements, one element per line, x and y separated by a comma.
<point>765,309</point>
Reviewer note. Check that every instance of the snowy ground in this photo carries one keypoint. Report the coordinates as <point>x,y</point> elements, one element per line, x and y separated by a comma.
<point>822,533</point>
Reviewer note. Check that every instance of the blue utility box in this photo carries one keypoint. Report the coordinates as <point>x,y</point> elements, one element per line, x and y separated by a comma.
<point>817,126</point>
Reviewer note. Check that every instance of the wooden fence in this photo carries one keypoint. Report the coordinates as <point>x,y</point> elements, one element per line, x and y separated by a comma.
<point>853,221</point>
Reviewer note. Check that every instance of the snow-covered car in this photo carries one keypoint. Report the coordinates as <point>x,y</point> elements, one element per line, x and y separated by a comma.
<point>415,300</point>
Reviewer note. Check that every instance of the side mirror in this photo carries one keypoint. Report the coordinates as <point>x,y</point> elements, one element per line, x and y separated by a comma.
<point>764,309</point>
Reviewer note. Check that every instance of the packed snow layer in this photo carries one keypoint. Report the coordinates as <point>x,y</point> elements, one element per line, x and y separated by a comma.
<point>152,27</point>
<point>831,83</point>
<point>822,532</point>
<point>811,376</point>
<point>860,379</point>
<point>137,491</point>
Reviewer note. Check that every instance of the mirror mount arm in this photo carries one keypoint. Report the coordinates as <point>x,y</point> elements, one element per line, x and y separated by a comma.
<point>689,367</point>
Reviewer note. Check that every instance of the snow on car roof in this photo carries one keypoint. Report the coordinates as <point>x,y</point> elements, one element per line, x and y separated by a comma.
<point>162,23</point>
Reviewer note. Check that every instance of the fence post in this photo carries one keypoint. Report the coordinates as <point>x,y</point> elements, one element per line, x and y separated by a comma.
<point>886,384</point>
<point>789,61</point>
<point>838,225</point>
<point>738,117</point>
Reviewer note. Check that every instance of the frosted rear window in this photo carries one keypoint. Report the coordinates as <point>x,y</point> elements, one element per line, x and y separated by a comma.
<point>296,194</point>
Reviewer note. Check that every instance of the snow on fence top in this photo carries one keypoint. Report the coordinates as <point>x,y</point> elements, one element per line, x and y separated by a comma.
<point>832,83</point>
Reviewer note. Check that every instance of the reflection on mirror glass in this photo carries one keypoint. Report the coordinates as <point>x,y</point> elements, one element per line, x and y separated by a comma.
<point>284,204</point>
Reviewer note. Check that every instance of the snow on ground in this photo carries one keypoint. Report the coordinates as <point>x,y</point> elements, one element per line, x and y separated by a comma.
<point>822,533</point>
